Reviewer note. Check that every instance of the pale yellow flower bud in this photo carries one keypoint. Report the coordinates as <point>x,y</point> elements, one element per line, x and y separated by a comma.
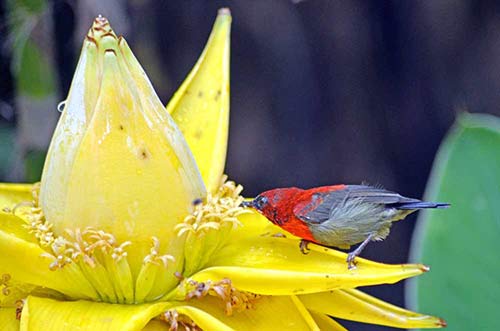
<point>117,162</point>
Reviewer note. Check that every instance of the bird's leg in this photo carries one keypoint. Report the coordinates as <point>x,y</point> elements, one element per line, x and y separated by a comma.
<point>304,246</point>
<point>352,255</point>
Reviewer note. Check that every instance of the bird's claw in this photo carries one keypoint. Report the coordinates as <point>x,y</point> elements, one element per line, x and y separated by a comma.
<point>304,247</point>
<point>351,263</point>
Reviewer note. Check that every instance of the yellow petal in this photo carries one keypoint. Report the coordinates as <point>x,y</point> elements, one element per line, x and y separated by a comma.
<point>12,198</point>
<point>247,262</point>
<point>8,321</point>
<point>156,325</point>
<point>304,313</point>
<point>326,323</point>
<point>16,226</point>
<point>200,106</point>
<point>49,314</point>
<point>268,313</point>
<point>13,292</point>
<point>117,161</point>
<point>24,262</point>
<point>355,305</point>
<point>203,319</point>
<point>12,194</point>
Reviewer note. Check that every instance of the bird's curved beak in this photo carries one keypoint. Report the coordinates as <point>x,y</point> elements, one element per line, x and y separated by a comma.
<point>247,204</point>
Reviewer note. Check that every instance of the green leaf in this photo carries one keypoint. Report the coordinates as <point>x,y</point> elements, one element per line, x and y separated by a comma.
<point>461,243</point>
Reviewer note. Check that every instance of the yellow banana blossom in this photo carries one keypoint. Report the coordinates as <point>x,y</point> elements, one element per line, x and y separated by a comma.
<point>121,233</point>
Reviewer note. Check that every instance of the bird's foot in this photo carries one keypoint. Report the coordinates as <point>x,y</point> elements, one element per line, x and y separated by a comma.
<point>304,247</point>
<point>351,263</point>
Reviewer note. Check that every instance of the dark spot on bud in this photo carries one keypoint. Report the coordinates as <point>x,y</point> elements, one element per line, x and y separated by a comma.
<point>200,94</point>
<point>217,95</point>
<point>121,127</point>
<point>143,154</point>
<point>197,201</point>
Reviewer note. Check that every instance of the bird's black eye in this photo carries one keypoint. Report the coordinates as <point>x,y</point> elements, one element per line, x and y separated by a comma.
<point>260,202</point>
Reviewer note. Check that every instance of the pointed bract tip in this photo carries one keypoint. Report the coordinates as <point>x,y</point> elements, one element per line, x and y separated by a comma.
<point>100,27</point>
<point>224,11</point>
<point>99,34</point>
<point>100,21</point>
<point>442,323</point>
<point>425,268</point>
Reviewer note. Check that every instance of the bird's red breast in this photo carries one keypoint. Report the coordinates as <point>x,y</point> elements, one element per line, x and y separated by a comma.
<point>286,202</point>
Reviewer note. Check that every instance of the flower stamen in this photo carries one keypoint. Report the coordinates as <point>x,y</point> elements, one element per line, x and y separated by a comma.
<point>97,255</point>
<point>19,308</point>
<point>4,282</point>
<point>218,209</point>
<point>208,227</point>
<point>174,319</point>
<point>232,298</point>
<point>154,257</point>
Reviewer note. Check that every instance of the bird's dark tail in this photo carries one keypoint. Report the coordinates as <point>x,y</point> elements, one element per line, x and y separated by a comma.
<point>421,205</point>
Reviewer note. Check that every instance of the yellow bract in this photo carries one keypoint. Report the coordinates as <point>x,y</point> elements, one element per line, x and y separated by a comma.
<point>7,319</point>
<point>201,105</point>
<point>342,303</point>
<point>117,161</point>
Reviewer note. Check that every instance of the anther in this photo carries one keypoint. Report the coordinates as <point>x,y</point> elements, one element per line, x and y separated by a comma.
<point>19,308</point>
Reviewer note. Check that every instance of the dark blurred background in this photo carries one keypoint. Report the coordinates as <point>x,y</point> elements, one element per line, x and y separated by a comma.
<point>322,91</point>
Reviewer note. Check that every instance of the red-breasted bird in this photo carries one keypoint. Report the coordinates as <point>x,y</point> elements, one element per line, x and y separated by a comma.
<point>338,215</point>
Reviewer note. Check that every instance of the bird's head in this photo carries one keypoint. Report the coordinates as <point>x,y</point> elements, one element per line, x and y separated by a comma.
<point>273,203</point>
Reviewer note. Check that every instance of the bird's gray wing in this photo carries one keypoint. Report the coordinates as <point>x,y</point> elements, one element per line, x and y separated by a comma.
<point>355,201</point>
<point>376,195</point>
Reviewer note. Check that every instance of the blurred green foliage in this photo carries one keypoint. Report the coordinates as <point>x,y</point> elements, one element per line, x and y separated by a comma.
<point>34,6</point>
<point>461,243</point>
<point>35,76</point>
<point>7,136</point>
<point>32,69</point>
<point>33,165</point>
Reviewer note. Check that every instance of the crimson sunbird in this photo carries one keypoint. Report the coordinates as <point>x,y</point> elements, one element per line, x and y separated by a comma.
<point>337,216</point>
